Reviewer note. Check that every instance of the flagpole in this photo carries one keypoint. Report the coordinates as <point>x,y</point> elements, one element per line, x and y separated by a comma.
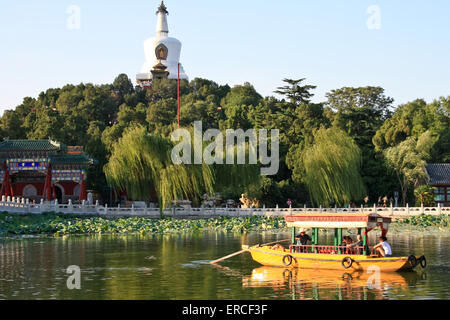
<point>178,94</point>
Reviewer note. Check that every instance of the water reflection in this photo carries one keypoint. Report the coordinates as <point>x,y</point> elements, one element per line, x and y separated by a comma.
<point>176,267</point>
<point>329,284</point>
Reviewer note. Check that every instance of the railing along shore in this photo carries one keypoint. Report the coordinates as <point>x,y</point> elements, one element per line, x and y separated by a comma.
<point>24,206</point>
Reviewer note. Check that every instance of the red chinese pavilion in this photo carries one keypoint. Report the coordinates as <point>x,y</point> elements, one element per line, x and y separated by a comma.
<point>43,169</point>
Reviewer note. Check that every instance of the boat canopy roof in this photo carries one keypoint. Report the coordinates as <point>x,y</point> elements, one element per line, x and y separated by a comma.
<point>337,220</point>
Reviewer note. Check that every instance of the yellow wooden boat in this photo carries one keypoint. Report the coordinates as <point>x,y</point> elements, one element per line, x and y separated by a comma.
<point>337,256</point>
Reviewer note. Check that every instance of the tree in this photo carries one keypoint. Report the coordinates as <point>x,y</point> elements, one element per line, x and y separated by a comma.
<point>162,116</point>
<point>46,122</point>
<point>123,85</point>
<point>413,119</point>
<point>236,118</point>
<point>141,164</point>
<point>424,196</point>
<point>11,125</point>
<point>332,167</point>
<point>166,89</point>
<point>96,116</point>
<point>400,126</point>
<point>295,92</point>
<point>97,150</point>
<point>407,159</point>
<point>369,98</point>
<point>242,95</point>
<point>360,112</point>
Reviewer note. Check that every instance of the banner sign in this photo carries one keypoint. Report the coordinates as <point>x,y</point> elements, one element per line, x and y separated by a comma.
<point>41,166</point>
<point>68,175</point>
<point>37,164</point>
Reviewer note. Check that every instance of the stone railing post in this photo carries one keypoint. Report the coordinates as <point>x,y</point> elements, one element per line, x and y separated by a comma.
<point>439,209</point>
<point>407,209</point>
<point>392,209</point>
<point>70,206</point>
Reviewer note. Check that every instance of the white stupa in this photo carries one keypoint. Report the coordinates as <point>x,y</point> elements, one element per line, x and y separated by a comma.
<point>162,53</point>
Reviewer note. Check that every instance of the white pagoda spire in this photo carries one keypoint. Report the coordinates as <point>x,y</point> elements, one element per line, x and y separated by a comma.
<point>162,27</point>
<point>161,50</point>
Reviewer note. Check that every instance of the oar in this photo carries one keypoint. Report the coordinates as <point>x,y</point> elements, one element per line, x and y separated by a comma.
<point>242,251</point>
<point>229,256</point>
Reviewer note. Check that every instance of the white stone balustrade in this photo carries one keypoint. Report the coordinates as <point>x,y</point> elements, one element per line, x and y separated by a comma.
<point>23,206</point>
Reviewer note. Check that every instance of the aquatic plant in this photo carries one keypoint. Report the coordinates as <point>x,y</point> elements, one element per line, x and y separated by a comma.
<point>56,224</point>
<point>423,220</point>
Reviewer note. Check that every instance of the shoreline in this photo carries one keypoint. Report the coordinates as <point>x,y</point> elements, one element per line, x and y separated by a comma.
<point>56,225</point>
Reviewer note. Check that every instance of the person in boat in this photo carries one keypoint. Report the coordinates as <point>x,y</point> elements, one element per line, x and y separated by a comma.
<point>347,242</point>
<point>278,247</point>
<point>357,244</point>
<point>383,249</point>
<point>302,239</point>
<point>359,241</point>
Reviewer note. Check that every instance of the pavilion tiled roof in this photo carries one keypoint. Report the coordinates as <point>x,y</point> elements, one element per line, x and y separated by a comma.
<point>30,145</point>
<point>438,173</point>
<point>57,152</point>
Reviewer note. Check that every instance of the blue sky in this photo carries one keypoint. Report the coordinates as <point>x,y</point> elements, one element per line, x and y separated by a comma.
<point>262,42</point>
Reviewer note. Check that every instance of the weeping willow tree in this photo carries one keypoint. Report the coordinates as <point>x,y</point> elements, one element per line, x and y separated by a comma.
<point>332,166</point>
<point>141,164</point>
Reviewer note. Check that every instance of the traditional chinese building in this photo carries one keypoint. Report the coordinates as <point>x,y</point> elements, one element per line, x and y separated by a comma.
<point>162,54</point>
<point>43,169</point>
<point>439,178</point>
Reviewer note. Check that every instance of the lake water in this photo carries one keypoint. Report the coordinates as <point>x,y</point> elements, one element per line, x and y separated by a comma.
<point>176,267</point>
